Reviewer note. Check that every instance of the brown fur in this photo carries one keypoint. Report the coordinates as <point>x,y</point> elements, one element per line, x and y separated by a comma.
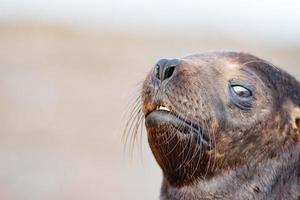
<point>254,154</point>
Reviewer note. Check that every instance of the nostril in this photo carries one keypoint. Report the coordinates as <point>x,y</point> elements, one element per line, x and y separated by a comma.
<point>165,68</point>
<point>169,72</point>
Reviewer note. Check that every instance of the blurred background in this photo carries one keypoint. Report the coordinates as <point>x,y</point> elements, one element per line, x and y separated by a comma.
<point>69,68</point>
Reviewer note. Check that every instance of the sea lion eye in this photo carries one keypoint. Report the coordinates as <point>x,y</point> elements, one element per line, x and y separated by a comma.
<point>241,94</point>
<point>241,91</point>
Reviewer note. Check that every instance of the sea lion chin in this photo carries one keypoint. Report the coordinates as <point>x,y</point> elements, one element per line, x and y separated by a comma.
<point>223,125</point>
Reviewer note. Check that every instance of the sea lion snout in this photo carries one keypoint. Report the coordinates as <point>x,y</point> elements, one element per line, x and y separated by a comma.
<point>165,68</point>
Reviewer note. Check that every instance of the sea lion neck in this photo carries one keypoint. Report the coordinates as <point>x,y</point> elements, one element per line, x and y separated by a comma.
<point>263,180</point>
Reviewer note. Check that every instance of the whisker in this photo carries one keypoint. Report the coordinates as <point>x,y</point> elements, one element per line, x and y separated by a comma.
<point>209,159</point>
<point>131,121</point>
<point>135,131</point>
<point>134,125</point>
<point>199,157</point>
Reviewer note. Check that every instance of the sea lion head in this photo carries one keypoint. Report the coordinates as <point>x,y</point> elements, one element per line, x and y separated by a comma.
<point>208,113</point>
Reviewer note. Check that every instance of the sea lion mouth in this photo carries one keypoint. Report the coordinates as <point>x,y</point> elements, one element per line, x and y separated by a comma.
<point>164,117</point>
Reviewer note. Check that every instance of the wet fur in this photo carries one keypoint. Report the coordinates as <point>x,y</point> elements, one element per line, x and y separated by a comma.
<point>255,157</point>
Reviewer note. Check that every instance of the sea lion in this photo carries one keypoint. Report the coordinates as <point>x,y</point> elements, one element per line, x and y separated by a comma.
<point>223,125</point>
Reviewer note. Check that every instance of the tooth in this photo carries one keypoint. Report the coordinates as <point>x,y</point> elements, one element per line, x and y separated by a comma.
<point>163,108</point>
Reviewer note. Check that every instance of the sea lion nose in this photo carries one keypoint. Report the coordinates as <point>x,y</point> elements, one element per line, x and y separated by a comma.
<point>165,68</point>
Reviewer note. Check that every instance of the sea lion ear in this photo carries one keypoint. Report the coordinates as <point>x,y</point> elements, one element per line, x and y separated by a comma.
<point>296,117</point>
<point>298,123</point>
<point>296,109</point>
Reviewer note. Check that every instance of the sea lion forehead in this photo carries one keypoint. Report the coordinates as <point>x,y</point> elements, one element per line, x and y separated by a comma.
<point>225,66</point>
<point>222,60</point>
